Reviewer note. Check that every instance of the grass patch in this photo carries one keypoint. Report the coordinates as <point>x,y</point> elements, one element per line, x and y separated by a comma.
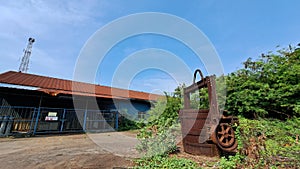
<point>157,162</point>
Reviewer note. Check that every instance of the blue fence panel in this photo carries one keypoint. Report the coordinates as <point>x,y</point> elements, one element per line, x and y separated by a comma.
<point>22,117</point>
<point>73,120</point>
<point>100,121</point>
<point>56,120</point>
<point>49,120</point>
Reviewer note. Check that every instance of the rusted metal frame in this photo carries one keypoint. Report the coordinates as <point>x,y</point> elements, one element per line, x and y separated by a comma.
<point>209,83</point>
<point>186,100</point>
<point>230,119</point>
<point>212,119</point>
<point>196,86</point>
<point>190,89</point>
<point>192,131</point>
<point>213,103</point>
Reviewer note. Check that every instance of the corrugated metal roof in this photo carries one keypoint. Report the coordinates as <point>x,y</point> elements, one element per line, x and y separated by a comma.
<point>56,86</point>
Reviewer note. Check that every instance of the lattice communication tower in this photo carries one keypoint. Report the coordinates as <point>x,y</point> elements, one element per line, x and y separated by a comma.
<point>25,60</point>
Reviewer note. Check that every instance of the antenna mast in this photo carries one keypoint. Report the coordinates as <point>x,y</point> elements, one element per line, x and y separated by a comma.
<point>25,60</point>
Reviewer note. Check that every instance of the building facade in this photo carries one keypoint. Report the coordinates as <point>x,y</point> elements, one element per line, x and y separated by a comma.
<point>38,104</point>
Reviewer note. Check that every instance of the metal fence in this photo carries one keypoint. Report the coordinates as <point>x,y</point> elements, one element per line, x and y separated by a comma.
<point>32,120</point>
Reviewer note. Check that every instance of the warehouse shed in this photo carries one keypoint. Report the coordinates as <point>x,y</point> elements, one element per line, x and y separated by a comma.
<point>38,104</point>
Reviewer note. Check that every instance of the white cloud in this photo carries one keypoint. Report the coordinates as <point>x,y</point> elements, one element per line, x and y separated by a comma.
<point>41,16</point>
<point>161,84</point>
<point>59,27</point>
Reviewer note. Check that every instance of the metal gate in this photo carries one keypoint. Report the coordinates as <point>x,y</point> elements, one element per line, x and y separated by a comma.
<point>55,120</point>
<point>100,120</point>
<point>49,120</point>
<point>16,119</point>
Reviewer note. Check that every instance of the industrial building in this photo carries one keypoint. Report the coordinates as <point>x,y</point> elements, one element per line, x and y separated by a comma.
<point>38,104</point>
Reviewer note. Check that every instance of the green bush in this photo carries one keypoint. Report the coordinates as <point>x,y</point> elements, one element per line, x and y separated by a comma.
<point>266,143</point>
<point>266,87</point>
<point>158,136</point>
<point>162,143</point>
<point>158,162</point>
<point>128,124</point>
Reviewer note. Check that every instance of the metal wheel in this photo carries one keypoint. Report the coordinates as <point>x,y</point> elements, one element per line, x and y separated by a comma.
<point>224,137</point>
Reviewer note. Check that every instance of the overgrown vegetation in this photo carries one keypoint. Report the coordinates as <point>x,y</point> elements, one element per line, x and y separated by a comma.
<point>266,87</point>
<point>199,100</point>
<point>126,123</point>
<point>265,95</point>
<point>266,143</point>
<point>158,162</point>
<point>157,137</point>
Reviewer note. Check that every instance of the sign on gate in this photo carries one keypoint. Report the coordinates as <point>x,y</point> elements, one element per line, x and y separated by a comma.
<point>51,116</point>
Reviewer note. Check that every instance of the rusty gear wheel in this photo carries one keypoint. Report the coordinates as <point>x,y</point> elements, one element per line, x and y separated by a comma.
<point>224,137</point>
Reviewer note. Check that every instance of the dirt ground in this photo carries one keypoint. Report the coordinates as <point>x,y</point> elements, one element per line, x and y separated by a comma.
<point>98,150</point>
<point>68,151</point>
<point>202,161</point>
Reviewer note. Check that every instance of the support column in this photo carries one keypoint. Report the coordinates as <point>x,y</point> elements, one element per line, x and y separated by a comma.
<point>85,115</point>
<point>9,125</point>
<point>38,115</point>
<point>36,121</point>
<point>3,125</point>
<point>117,120</point>
<point>62,121</point>
<point>84,120</point>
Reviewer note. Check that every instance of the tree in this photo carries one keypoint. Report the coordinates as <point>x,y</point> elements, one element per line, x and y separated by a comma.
<point>266,87</point>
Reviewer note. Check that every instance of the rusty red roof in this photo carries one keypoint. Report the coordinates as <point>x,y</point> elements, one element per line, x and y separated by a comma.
<point>56,86</point>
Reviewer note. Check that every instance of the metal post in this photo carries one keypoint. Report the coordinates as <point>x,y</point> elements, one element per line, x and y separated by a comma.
<point>3,125</point>
<point>36,121</point>
<point>38,115</point>
<point>63,121</point>
<point>9,125</point>
<point>117,120</point>
<point>1,121</point>
<point>32,119</point>
<point>84,120</point>
<point>85,116</point>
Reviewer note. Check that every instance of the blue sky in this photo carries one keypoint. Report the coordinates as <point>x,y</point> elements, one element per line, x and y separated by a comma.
<point>237,29</point>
